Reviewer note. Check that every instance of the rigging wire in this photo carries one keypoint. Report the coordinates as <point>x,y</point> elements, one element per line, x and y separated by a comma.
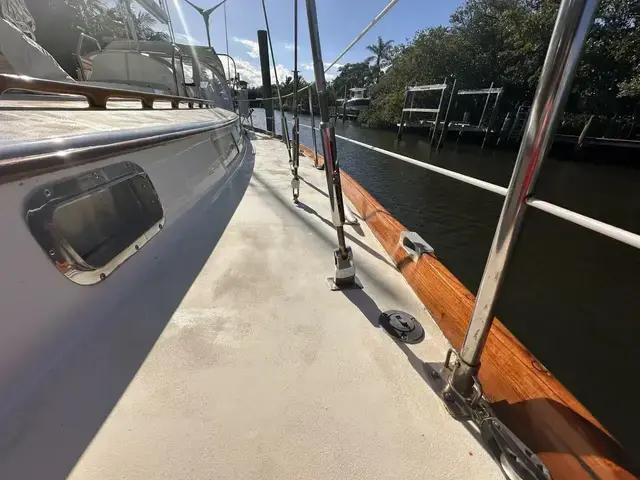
<point>366,29</point>
<point>295,183</point>
<point>226,38</point>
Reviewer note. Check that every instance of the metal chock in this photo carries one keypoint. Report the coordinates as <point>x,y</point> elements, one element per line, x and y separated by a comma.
<point>349,217</point>
<point>295,187</point>
<point>414,245</point>
<point>517,461</point>
<point>345,276</point>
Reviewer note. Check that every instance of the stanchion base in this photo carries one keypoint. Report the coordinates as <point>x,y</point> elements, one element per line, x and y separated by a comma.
<point>345,276</point>
<point>355,284</point>
<point>295,187</point>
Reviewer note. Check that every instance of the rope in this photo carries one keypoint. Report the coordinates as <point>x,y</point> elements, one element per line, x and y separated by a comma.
<point>375,20</point>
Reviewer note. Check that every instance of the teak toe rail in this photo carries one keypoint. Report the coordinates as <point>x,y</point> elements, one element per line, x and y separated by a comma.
<point>524,394</point>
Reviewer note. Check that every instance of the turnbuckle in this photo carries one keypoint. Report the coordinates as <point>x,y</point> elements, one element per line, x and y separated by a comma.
<point>458,406</point>
<point>517,461</point>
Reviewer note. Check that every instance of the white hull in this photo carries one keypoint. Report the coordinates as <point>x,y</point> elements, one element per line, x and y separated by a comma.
<point>217,350</point>
<point>68,351</point>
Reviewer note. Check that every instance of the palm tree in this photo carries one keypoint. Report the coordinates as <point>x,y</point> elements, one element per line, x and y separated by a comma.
<point>144,23</point>
<point>382,52</point>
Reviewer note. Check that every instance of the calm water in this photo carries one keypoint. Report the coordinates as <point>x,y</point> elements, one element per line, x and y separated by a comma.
<point>571,296</point>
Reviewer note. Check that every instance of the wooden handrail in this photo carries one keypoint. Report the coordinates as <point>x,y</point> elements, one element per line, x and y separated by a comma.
<point>524,394</point>
<point>96,96</point>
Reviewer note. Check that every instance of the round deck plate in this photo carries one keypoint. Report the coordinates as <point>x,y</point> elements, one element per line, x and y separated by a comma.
<point>401,326</point>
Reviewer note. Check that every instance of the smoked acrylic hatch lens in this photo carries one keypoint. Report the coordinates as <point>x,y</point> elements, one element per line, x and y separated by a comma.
<point>90,224</point>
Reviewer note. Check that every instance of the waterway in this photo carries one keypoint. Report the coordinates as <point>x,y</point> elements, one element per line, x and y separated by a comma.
<point>571,296</point>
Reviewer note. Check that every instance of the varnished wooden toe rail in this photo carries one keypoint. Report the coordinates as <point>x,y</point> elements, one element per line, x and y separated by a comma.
<point>525,395</point>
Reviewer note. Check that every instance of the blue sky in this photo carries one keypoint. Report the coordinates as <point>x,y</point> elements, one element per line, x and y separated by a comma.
<point>340,21</point>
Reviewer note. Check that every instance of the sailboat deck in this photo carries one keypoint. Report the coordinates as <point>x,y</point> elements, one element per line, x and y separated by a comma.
<point>28,117</point>
<point>264,372</point>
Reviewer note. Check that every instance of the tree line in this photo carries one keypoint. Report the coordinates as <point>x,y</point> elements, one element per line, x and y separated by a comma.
<point>351,75</point>
<point>505,42</point>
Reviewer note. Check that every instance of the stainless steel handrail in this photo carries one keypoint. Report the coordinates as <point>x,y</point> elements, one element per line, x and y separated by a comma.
<point>563,56</point>
<point>235,69</point>
<point>173,66</point>
<point>44,156</point>
<point>462,392</point>
<point>611,231</point>
<point>80,41</point>
<point>427,166</point>
<point>79,53</point>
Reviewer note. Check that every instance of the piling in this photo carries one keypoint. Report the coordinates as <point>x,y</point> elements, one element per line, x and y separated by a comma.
<point>583,134</point>
<point>263,47</point>
<point>445,123</point>
<point>437,119</point>
<point>404,105</point>
<point>492,117</point>
<point>344,105</point>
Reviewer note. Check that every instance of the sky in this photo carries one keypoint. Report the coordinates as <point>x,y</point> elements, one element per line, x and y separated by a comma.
<point>340,21</point>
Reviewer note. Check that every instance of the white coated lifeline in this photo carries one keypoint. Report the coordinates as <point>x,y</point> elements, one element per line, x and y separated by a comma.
<point>263,372</point>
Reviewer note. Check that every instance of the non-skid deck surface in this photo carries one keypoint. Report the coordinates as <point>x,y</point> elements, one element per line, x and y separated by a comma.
<point>28,120</point>
<point>264,373</point>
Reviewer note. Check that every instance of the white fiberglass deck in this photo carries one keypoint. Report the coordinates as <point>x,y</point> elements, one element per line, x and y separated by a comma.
<point>29,120</point>
<point>265,373</point>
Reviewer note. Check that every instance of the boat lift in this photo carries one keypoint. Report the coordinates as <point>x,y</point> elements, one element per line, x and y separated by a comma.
<point>449,93</point>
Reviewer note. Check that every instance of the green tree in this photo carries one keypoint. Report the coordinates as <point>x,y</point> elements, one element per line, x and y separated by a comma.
<point>505,42</point>
<point>144,24</point>
<point>353,75</point>
<point>382,53</point>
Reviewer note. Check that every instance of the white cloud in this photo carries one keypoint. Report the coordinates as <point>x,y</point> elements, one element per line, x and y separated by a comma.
<point>283,73</point>
<point>329,77</point>
<point>248,72</point>
<point>251,45</point>
<point>188,39</point>
<point>252,74</point>
<point>335,67</point>
<point>289,46</point>
<point>307,66</point>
